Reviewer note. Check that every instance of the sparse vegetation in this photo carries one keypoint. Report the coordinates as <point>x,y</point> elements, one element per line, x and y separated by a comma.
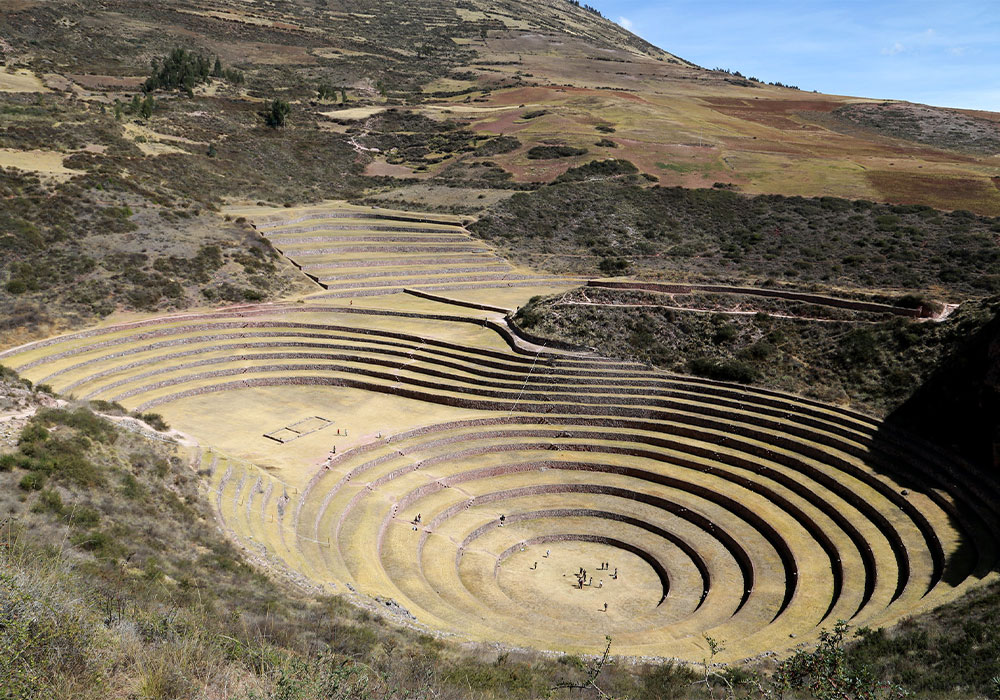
<point>873,364</point>
<point>717,235</point>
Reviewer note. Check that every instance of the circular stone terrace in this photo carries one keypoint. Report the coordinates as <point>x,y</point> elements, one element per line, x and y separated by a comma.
<point>397,446</point>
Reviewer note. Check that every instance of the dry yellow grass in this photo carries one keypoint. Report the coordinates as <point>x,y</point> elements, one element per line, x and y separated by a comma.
<point>20,80</point>
<point>46,163</point>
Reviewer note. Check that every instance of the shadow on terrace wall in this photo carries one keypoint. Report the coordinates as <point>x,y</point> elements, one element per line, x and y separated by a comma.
<point>957,412</point>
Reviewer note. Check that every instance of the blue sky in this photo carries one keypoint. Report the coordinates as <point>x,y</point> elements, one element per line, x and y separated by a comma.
<point>942,52</point>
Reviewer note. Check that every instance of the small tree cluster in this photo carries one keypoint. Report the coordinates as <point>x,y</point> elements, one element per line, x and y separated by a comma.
<point>183,70</point>
<point>276,114</point>
<point>329,92</point>
<point>139,106</point>
<point>588,8</point>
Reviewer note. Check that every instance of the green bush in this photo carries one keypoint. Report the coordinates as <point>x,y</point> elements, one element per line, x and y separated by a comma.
<point>16,287</point>
<point>32,481</point>
<point>497,146</point>
<point>552,152</point>
<point>611,167</point>
<point>613,266</point>
<point>723,370</point>
<point>155,421</point>
<point>33,432</point>
<point>49,501</point>
<point>100,543</point>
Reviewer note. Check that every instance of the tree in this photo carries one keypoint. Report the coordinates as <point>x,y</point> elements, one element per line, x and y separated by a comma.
<point>217,69</point>
<point>827,673</point>
<point>146,109</point>
<point>276,115</point>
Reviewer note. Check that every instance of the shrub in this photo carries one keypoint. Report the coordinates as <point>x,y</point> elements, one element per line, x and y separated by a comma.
<point>155,421</point>
<point>552,152</point>
<point>32,481</point>
<point>667,681</point>
<point>723,370</point>
<point>613,266</point>
<point>49,501</point>
<point>33,432</point>
<point>112,407</point>
<point>497,146</point>
<point>611,167</point>
<point>100,543</point>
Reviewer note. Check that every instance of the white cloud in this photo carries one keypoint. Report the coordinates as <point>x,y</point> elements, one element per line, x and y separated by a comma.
<point>626,23</point>
<point>894,49</point>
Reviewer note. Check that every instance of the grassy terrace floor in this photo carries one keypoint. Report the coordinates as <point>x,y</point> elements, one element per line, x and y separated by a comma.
<point>468,474</point>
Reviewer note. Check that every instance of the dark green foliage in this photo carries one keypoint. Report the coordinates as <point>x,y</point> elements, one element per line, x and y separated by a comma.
<point>667,681</point>
<point>599,169</point>
<point>606,143</point>
<point>534,114</point>
<point>84,421</point>
<point>100,543</point>
<point>147,106</point>
<point>497,146</point>
<point>411,138</point>
<point>276,115</point>
<point>829,673</point>
<point>155,421</point>
<point>613,266</point>
<point>552,152</point>
<point>183,70</point>
<point>32,481</point>
<point>955,649</point>
<point>37,643</point>
<point>723,370</point>
<point>719,235</point>
<point>112,407</point>
<point>180,69</point>
<point>326,92</point>
<point>49,501</point>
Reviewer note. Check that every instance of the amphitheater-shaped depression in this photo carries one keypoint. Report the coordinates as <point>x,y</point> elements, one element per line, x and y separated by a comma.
<point>477,474</point>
